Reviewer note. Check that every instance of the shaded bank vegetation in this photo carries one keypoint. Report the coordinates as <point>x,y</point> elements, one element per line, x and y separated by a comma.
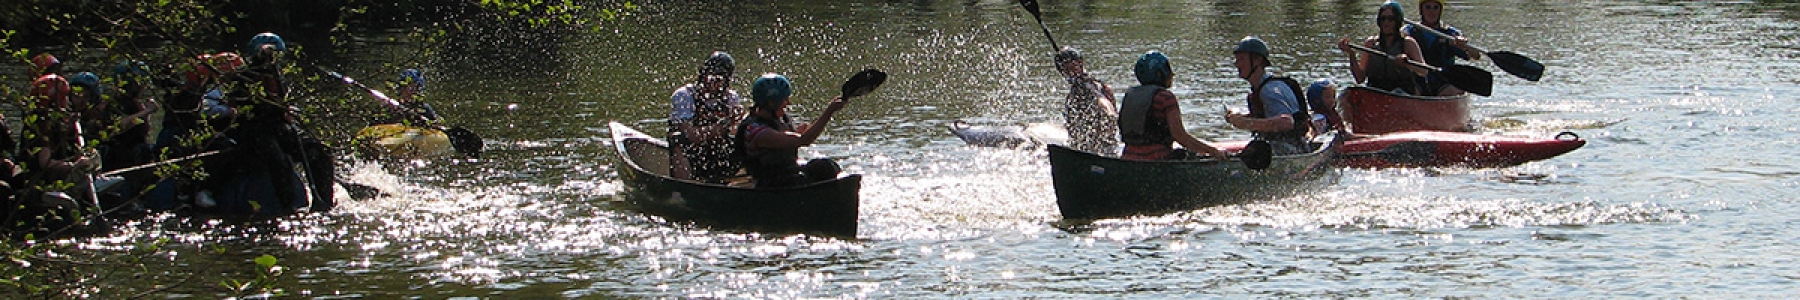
<point>94,35</point>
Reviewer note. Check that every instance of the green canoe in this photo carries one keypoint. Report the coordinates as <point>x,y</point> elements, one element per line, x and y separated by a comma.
<point>828,207</point>
<point>1090,186</point>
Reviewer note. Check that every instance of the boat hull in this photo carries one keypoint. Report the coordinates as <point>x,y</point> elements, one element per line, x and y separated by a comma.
<point>1090,186</point>
<point>1370,111</point>
<point>828,207</point>
<point>1414,149</point>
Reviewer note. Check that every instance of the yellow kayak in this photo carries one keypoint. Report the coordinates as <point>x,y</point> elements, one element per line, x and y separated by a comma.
<point>404,142</point>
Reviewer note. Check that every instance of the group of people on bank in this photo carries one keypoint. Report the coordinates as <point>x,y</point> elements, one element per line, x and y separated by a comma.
<point>713,139</point>
<point>229,110</point>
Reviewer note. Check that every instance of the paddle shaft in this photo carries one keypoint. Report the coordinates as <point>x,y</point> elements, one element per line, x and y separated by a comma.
<point>165,162</point>
<point>1384,54</point>
<point>1032,7</point>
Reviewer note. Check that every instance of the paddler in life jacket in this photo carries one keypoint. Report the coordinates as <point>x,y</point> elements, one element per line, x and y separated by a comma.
<point>771,145</point>
<point>1088,110</point>
<point>1391,73</point>
<point>1439,51</point>
<point>701,121</point>
<point>1150,116</point>
<point>1277,114</point>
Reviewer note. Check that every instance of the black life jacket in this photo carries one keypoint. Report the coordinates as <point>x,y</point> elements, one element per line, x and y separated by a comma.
<point>1302,119</point>
<point>1136,125</point>
<point>769,167</point>
<point>1384,74</point>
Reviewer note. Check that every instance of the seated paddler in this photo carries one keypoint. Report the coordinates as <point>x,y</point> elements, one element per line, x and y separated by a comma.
<point>1150,116</point>
<point>771,144</point>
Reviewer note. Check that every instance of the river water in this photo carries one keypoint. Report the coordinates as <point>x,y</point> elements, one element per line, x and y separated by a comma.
<point>1684,189</point>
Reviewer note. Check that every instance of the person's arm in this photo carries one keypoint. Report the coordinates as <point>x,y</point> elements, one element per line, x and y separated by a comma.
<point>1108,104</point>
<point>1281,122</point>
<point>808,132</point>
<point>1179,132</point>
<point>1356,60</point>
<point>1462,44</point>
<point>1415,55</point>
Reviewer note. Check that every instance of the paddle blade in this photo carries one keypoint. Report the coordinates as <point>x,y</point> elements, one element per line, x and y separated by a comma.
<point>1257,155</point>
<point>1517,65</point>
<point>863,82</point>
<point>464,141</point>
<point>1471,79</point>
<point>1032,7</point>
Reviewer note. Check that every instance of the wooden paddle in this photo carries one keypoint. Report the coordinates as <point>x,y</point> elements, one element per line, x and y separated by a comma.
<point>1472,79</point>
<point>1513,63</point>
<point>463,140</point>
<point>1407,153</point>
<point>1032,7</point>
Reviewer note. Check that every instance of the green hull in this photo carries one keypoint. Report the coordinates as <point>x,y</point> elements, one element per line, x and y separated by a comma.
<point>1090,186</point>
<point>828,208</point>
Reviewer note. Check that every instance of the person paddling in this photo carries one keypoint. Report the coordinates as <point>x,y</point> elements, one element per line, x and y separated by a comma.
<point>1088,111</point>
<point>1439,51</point>
<point>771,145</point>
<point>1150,116</point>
<point>700,123</point>
<point>1390,73</point>
<point>1277,114</point>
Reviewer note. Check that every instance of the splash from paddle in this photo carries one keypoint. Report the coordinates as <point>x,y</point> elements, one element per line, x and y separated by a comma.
<point>1513,63</point>
<point>464,141</point>
<point>1032,7</point>
<point>1472,79</point>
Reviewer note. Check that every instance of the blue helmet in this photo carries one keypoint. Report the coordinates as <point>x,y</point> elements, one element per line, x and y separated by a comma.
<point>86,79</point>
<point>412,76</point>
<point>770,90</point>
<point>265,38</point>
<point>1391,4</point>
<point>1153,68</point>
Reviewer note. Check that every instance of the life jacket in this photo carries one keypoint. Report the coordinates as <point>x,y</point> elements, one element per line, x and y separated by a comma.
<point>1302,119</point>
<point>1136,125</point>
<point>709,160</point>
<point>1384,74</point>
<point>1090,128</point>
<point>768,166</point>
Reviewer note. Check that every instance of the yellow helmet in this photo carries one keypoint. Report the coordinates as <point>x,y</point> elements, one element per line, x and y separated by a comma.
<point>1439,2</point>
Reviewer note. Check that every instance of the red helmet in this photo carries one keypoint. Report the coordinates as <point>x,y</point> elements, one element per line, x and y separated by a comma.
<point>51,91</point>
<point>44,63</point>
<point>225,62</point>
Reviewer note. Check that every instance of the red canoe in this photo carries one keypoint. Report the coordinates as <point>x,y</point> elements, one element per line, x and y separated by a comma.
<point>1371,111</point>
<point>1445,149</point>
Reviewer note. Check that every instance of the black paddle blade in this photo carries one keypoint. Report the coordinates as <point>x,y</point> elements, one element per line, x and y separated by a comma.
<point>863,82</point>
<point>1031,6</point>
<point>1257,155</point>
<point>464,141</point>
<point>1471,79</point>
<point>1517,65</point>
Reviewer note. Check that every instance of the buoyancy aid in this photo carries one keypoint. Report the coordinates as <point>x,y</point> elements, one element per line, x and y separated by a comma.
<point>1302,119</point>
<point>1384,74</point>
<point>770,167</point>
<point>1136,125</point>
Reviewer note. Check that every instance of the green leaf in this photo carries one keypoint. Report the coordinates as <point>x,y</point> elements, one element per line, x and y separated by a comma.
<point>266,260</point>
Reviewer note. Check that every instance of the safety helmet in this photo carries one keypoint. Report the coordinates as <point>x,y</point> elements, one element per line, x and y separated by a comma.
<point>410,77</point>
<point>1253,45</point>
<point>225,62</point>
<point>719,63</point>
<point>50,91</point>
<point>1153,68</point>
<point>44,63</point>
<point>1439,2</point>
<point>265,38</point>
<point>1390,4</point>
<point>86,80</point>
<point>1067,55</point>
<point>131,68</point>
<point>770,90</point>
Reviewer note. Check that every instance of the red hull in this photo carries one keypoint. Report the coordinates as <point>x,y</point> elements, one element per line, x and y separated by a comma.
<point>1445,149</point>
<point>1370,111</point>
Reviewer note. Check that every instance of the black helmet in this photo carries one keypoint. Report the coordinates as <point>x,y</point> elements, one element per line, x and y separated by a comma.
<point>718,64</point>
